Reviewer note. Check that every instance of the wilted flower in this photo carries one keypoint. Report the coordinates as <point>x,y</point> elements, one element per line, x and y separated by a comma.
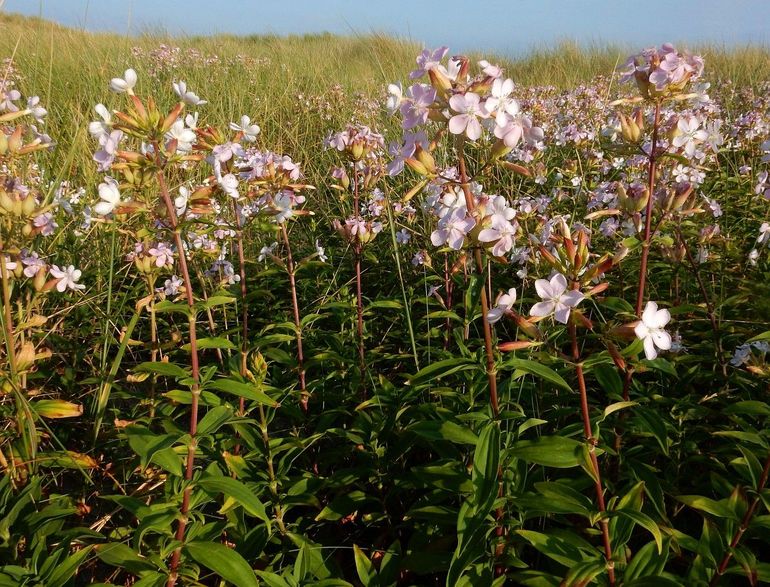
<point>321,252</point>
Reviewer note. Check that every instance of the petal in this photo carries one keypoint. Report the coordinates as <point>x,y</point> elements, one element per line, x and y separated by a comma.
<point>544,289</point>
<point>457,124</point>
<point>488,235</point>
<point>641,331</point>
<point>660,319</point>
<point>649,349</point>
<point>562,313</point>
<point>662,339</point>
<point>558,284</point>
<point>648,316</point>
<point>542,309</point>
<point>571,298</point>
<point>495,314</point>
<point>473,129</point>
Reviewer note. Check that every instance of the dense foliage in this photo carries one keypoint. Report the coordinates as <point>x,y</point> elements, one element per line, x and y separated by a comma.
<point>508,336</point>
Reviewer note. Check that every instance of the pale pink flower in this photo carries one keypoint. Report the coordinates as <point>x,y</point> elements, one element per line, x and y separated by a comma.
<point>466,120</point>
<point>557,300</point>
<point>452,229</point>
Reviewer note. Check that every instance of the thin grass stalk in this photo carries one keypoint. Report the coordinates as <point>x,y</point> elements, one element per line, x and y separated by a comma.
<point>407,310</point>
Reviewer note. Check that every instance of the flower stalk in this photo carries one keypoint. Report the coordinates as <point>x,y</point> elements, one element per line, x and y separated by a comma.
<point>195,387</point>
<point>297,321</point>
<point>490,356</point>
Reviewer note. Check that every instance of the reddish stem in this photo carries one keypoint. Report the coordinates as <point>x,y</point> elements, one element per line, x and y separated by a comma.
<point>652,158</point>
<point>491,371</point>
<point>592,452</point>
<point>297,321</point>
<point>195,387</point>
<point>357,248</point>
<point>743,527</point>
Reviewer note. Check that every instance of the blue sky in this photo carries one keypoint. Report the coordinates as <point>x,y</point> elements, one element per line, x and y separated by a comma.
<point>506,26</point>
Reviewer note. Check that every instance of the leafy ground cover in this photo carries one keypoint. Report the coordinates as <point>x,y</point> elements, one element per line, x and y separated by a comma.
<point>394,324</point>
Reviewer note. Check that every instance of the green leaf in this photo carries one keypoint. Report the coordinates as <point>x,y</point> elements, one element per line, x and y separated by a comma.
<point>364,566</point>
<point>169,306</point>
<point>215,301</point>
<point>444,430</point>
<point>119,555</point>
<point>537,369</point>
<point>212,343</point>
<point>645,522</point>
<point>214,419</point>
<point>343,505</point>
<point>244,390</point>
<point>549,451</point>
<point>442,369</point>
<point>617,406</point>
<point>225,562</point>
<point>748,408</point>
<point>65,569</point>
<point>238,491</point>
<point>162,368</point>
<point>486,461</point>
<point>710,506</point>
<point>557,548</point>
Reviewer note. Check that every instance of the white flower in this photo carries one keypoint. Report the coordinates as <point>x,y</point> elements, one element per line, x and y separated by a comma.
<point>504,303</point>
<point>266,251</point>
<point>556,299</point>
<point>403,236</point>
<point>395,97</point>
<point>466,121</point>
<point>125,84</point>
<point>185,137</point>
<point>690,135</point>
<point>67,277</point>
<point>250,131</point>
<point>321,252</point>
<point>180,202</point>
<point>101,128</point>
<point>187,96</point>
<point>35,108</point>
<point>109,196</point>
<point>650,330</point>
<point>283,204</point>
<point>764,233</point>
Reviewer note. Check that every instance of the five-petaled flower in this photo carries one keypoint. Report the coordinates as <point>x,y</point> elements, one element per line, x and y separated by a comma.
<point>67,277</point>
<point>556,299</point>
<point>650,330</point>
